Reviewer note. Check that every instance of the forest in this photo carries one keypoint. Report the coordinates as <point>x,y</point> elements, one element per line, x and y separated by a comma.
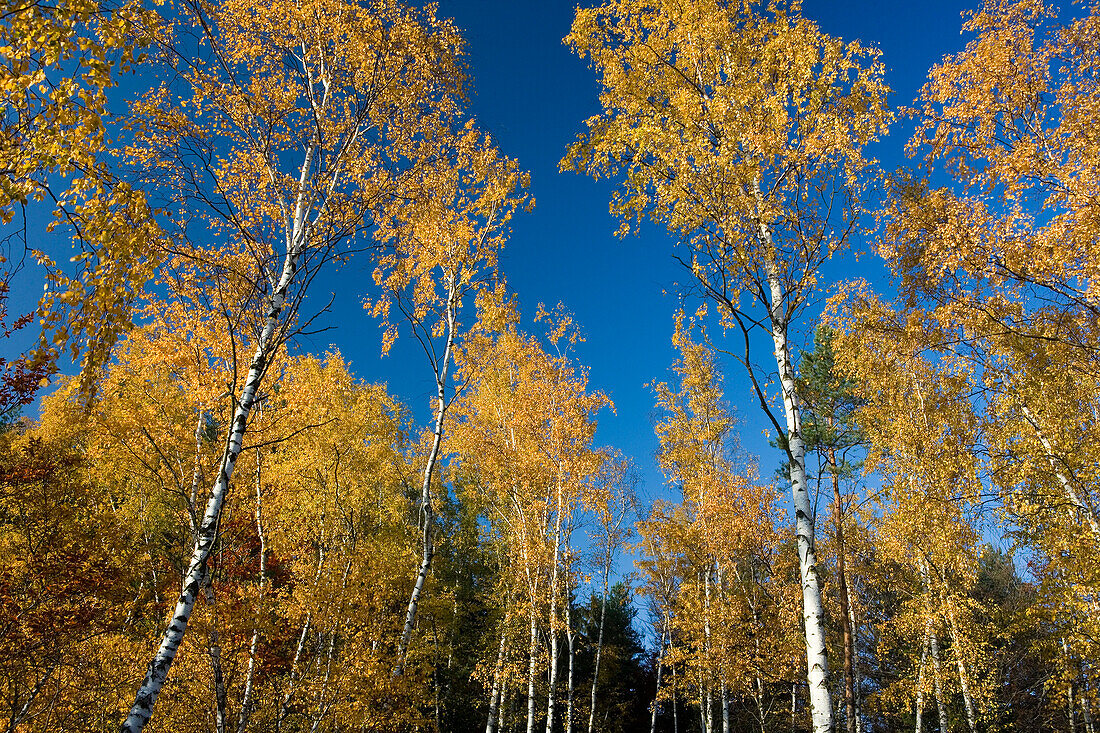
<point>212,519</point>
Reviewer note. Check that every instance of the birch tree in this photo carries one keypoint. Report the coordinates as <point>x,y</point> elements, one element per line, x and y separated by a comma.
<point>528,420</point>
<point>993,241</point>
<point>741,128</point>
<point>442,252</point>
<point>281,169</point>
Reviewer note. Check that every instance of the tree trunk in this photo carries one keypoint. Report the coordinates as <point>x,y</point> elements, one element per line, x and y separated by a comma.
<point>842,592</point>
<point>813,615</point>
<point>246,696</point>
<point>725,708</point>
<point>1057,466</point>
<point>935,646</point>
<point>214,650</point>
<point>284,706</point>
<point>855,662</point>
<point>704,722</point>
<point>498,674</point>
<point>920,676</point>
<point>145,700</point>
<point>531,666</point>
<point>505,710</point>
<point>656,695</point>
<point>794,706</point>
<point>964,685</point>
<point>705,691</point>
<point>551,697</point>
<point>427,509</point>
<point>570,637</point>
<point>1071,708</point>
<point>758,695</point>
<point>599,637</point>
<point>1086,704</point>
<point>324,700</point>
<point>675,711</point>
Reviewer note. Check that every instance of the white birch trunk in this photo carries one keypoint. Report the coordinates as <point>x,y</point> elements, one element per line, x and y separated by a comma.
<point>498,675</point>
<point>813,615</point>
<point>324,700</point>
<point>675,712</point>
<point>1067,486</point>
<point>940,709</point>
<point>725,708</point>
<point>1071,708</point>
<point>570,638</point>
<point>920,676</point>
<point>599,651</point>
<point>1086,704</point>
<point>427,510</point>
<point>704,723</point>
<point>794,705</point>
<point>32,695</point>
<point>531,668</point>
<point>214,649</point>
<point>725,697</point>
<point>145,700</point>
<point>284,706</point>
<point>855,662</point>
<point>246,696</point>
<point>964,684</point>
<point>705,692</point>
<point>553,630</point>
<point>759,697</point>
<point>656,695</point>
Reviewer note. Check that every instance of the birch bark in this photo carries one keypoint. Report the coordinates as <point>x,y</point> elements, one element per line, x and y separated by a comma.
<point>245,713</point>
<point>919,713</point>
<point>964,683</point>
<point>274,321</point>
<point>498,674</point>
<point>553,630</point>
<point>935,647</point>
<point>855,663</point>
<point>1057,466</point>
<point>599,651</point>
<point>813,614</point>
<point>533,651</point>
<point>842,592</point>
<point>570,639</point>
<point>214,650</point>
<point>657,693</point>
<point>427,509</point>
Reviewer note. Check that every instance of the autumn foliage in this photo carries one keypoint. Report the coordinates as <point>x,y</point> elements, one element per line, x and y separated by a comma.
<point>206,527</point>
